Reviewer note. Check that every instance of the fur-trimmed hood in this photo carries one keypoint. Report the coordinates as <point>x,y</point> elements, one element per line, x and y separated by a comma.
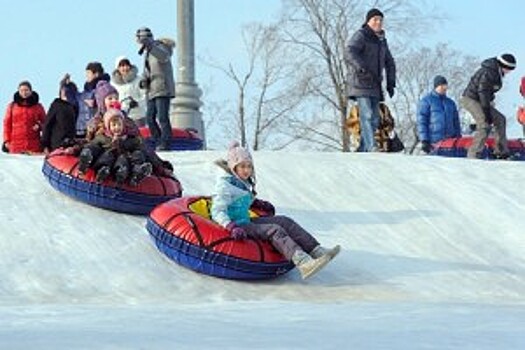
<point>168,42</point>
<point>32,100</point>
<point>118,79</point>
<point>223,164</point>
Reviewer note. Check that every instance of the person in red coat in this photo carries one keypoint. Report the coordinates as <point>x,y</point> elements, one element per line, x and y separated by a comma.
<point>23,121</point>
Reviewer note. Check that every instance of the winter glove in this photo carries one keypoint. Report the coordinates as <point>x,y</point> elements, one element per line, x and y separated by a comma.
<point>133,104</point>
<point>236,232</point>
<point>390,90</point>
<point>144,83</point>
<point>265,206</point>
<point>426,147</point>
<point>5,147</point>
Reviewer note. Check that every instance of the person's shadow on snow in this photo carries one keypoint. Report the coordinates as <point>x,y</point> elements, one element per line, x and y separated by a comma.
<point>331,219</point>
<point>358,274</point>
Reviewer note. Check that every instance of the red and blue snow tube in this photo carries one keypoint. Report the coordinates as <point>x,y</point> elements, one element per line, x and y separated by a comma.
<point>181,139</point>
<point>458,148</point>
<point>184,232</point>
<point>62,172</point>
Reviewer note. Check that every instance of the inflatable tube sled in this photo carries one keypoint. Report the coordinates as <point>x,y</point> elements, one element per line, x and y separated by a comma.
<point>182,139</point>
<point>61,171</point>
<point>183,231</point>
<point>458,147</point>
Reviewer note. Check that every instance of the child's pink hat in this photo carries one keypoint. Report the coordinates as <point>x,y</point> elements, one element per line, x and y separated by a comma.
<point>237,155</point>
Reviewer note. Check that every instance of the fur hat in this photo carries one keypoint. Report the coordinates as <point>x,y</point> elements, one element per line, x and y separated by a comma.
<point>103,90</point>
<point>237,155</point>
<point>507,61</point>
<point>111,114</point>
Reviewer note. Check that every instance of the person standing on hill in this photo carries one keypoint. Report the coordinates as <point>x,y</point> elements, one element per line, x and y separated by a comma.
<point>86,99</point>
<point>366,56</point>
<point>61,117</point>
<point>126,80</point>
<point>437,116</point>
<point>478,100</point>
<point>23,121</point>
<point>157,80</point>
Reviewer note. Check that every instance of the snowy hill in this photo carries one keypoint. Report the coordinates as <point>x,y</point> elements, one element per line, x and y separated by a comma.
<point>434,258</point>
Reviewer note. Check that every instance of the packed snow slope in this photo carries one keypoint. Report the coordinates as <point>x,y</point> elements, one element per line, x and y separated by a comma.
<point>415,231</point>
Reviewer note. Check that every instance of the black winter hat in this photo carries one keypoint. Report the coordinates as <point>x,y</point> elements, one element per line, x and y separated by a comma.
<point>507,61</point>
<point>439,80</point>
<point>372,13</point>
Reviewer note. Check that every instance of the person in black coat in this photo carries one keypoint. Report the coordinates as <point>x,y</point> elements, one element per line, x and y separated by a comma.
<point>478,100</point>
<point>367,57</point>
<point>61,119</point>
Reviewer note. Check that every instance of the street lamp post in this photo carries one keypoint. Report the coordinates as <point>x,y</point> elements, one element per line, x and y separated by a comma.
<point>185,106</point>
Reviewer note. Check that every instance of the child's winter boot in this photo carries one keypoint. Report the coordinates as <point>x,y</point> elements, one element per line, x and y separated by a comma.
<point>103,173</point>
<point>121,174</point>
<point>84,160</point>
<point>319,251</point>
<point>308,266</point>
<point>139,172</point>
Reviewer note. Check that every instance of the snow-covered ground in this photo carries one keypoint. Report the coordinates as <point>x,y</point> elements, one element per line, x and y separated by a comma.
<point>434,258</point>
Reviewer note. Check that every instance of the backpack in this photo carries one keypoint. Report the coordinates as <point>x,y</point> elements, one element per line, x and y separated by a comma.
<point>385,136</point>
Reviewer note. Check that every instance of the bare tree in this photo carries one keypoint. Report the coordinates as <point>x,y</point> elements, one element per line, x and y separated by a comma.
<point>417,68</point>
<point>319,29</point>
<point>266,95</point>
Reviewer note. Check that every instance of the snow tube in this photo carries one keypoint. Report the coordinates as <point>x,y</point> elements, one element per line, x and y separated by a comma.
<point>182,139</point>
<point>61,171</point>
<point>458,147</point>
<point>183,231</point>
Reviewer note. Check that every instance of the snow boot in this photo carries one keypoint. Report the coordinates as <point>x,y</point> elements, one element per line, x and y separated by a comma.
<point>85,159</point>
<point>308,266</point>
<point>103,173</point>
<point>121,174</point>
<point>506,156</point>
<point>319,251</point>
<point>139,172</point>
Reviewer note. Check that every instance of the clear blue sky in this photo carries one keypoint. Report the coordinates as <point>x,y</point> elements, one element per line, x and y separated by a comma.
<point>42,40</point>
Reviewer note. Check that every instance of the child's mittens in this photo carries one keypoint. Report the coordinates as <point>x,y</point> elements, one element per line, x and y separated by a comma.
<point>236,232</point>
<point>265,206</point>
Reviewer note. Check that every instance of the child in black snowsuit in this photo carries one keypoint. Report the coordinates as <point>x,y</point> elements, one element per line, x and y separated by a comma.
<point>115,152</point>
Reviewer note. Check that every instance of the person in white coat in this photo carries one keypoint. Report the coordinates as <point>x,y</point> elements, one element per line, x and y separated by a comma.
<point>126,80</point>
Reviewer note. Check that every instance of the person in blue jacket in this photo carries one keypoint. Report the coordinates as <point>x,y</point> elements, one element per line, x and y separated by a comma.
<point>437,116</point>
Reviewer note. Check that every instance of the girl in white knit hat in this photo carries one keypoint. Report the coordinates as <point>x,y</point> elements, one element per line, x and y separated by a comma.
<point>234,195</point>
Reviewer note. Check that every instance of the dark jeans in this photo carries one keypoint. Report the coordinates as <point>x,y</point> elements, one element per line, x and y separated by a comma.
<point>159,107</point>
